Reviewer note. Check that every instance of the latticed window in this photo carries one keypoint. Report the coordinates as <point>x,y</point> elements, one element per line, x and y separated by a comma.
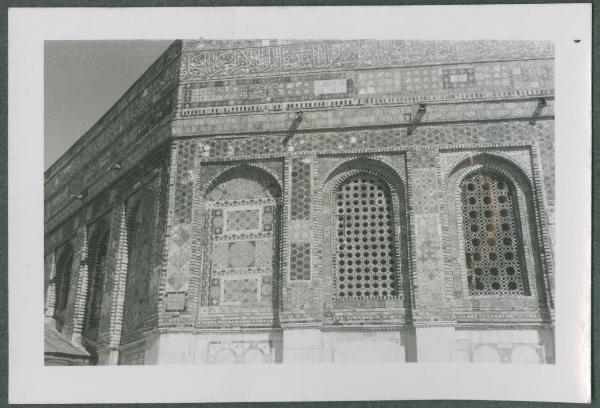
<point>63,284</point>
<point>365,254</point>
<point>96,278</point>
<point>493,243</point>
<point>65,265</point>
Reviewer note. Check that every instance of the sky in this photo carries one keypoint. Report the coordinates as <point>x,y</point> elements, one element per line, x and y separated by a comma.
<point>82,80</point>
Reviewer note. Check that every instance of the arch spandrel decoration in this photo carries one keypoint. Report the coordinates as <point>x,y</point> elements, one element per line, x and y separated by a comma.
<point>242,208</point>
<point>365,176</point>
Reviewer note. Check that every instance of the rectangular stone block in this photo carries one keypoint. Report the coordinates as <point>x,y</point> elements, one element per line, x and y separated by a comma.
<point>435,344</point>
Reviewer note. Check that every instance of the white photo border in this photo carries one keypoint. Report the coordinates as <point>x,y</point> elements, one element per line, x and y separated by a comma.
<point>566,381</point>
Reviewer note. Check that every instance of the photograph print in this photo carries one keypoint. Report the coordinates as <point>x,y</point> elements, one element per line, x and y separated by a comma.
<point>308,201</point>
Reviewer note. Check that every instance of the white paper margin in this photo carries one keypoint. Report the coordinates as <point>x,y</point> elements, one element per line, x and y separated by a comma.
<point>568,380</point>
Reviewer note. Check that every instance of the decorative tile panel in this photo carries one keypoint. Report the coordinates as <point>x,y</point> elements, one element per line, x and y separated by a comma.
<point>184,182</point>
<point>242,220</point>
<point>240,291</point>
<point>301,189</point>
<point>300,264</point>
<point>369,87</point>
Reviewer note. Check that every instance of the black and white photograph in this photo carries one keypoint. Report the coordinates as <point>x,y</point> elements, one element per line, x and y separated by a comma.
<point>265,201</point>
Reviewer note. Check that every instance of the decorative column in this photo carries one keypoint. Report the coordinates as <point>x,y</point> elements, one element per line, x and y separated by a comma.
<point>301,340</point>
<point>50,301</point>
<point>114,291</point>
<point>82,286</point>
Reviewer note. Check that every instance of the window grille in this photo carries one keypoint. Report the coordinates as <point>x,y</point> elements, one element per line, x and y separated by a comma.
<point>365,261</point>
<point>493,243</point>
<point>65,266</point>
<point>96,278</point>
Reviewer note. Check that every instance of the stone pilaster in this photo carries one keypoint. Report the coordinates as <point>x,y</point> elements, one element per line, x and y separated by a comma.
<point>50,300</point>
<point>299,242</point>
<point>82,287</point>
<point>424,207</point>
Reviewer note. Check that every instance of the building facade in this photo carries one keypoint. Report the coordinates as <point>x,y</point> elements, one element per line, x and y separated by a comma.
<point>312,201</point>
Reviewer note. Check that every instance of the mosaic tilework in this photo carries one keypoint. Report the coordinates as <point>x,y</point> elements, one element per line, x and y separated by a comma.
<point>184,182</point>
<point>493,244</point>
<point>300,261</point>
<point>365,100</point>
<point>342,55</point>
<point>241,291</point>
<point>262,90</point>
<point>103,192</point>
<point>459,77</point>
<point>141,111</point>
<point>268,217</point>
<point>425,190</point>
<point>242,252</point>
<point>266,144</point>
<point>301,190</point>
<point>179,256</point>
<point>242,220</point>
<point>373,87</point>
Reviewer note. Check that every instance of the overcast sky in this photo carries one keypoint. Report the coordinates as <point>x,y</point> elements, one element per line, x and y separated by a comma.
<point>82,80</point>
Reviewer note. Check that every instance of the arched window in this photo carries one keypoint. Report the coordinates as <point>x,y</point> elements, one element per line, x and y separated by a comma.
<point>365,251</point>
<point>97,270</point>
<point>63,274</point>
<point>492,234</point>
<point>140,233</point>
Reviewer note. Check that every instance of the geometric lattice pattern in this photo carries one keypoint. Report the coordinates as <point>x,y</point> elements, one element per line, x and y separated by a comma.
<point>458,77</point>
<point>300,195</point>
<point>493,244</point>
<point>365,251</point>
<point>96,280</point>
<point>240,291</point>
<point>65,265</point>
<point>184,182</point>
<point>241,254</point>
<point>300,261</point>
<point>242,220</point>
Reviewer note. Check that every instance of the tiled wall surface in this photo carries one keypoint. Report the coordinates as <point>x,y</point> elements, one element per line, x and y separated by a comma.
<point>298,117</point>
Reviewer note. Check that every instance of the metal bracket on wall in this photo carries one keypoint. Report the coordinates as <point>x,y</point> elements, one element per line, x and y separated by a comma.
<point>81,196</point>
<point>417,118</point>
<point>542,103</point>
<point>295,123</point>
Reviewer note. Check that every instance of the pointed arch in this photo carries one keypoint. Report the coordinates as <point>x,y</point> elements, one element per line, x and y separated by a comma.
<point>366,233</point>
<point>242,207</point>
<point>266,184</point>
<point>97,258</point>
<point>64,270</point>
<point>139,230</point>
<point>514,220</point>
